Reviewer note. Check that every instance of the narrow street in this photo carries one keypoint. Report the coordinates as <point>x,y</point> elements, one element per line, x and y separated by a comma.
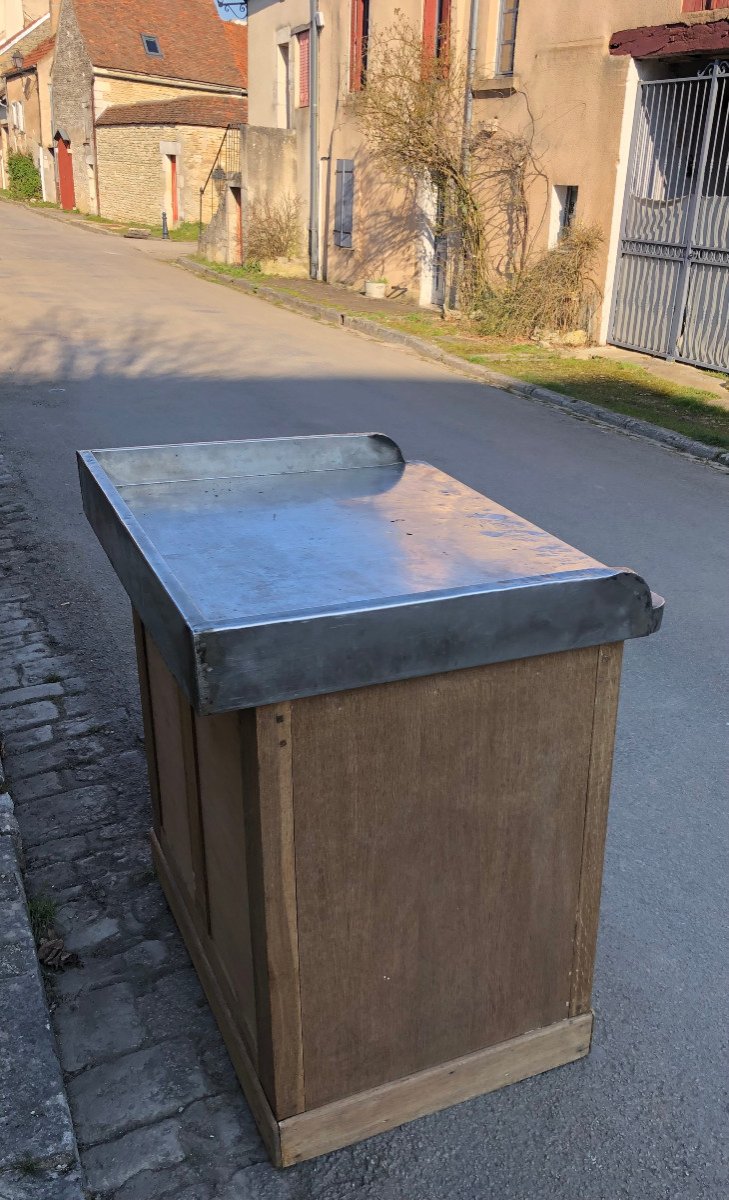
<point>102,346</point>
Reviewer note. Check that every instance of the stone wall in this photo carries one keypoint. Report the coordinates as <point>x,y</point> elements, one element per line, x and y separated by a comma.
<point>72,79</point>
<point>134,169</point>
<point>109,90</point>
<point>268,173</point>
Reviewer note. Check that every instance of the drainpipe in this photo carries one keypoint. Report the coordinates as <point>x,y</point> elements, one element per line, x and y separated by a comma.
<point>455,285</point>
<point>314,142</point>
<point>95,148</point>
<point>470,75</point>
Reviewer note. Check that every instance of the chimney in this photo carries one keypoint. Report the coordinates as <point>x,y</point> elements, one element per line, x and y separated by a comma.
<point>54,7</point>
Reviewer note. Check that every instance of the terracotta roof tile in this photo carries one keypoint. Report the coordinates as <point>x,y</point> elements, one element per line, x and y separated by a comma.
<point>216,111</point>
<point>27,45</point>
<point>195,43</point>
<point>39,53</point>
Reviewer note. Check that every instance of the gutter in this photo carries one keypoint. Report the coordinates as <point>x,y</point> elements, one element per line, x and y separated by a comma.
<point>95,146</point>
<point>223,89</point>
<point>314,141</point>
<point>470,76</point>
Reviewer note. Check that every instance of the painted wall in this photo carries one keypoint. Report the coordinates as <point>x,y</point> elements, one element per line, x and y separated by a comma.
<point>566,84</point>
<point>16,14</point>
<point>32,90</point>
<point>577,99</point>
<point>388,226</point>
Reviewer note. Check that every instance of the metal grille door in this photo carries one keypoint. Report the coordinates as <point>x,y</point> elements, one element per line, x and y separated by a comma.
<point>672,284</point>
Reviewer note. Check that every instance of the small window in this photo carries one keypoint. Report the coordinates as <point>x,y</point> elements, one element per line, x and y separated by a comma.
<point>151,45</point>
<point>564,206</point>
<point>303,41</point>
<point>436,27</point>
<point>344,204</point>
<point>507,37</point>
<point>358,47</point>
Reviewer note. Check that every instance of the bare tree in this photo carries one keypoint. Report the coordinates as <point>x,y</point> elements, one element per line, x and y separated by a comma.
<point>411,112</point>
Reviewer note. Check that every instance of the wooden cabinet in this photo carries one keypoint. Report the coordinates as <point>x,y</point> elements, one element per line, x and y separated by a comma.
<point>390,893</point>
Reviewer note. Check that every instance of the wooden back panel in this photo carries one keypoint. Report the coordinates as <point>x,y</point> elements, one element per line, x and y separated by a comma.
<point>220,774</point>
<point>439,835</point>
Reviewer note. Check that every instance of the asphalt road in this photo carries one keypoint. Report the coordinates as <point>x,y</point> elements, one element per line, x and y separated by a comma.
<point>104,346</point>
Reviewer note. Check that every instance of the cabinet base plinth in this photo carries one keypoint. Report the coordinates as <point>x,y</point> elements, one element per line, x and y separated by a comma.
<point>354,1118</point>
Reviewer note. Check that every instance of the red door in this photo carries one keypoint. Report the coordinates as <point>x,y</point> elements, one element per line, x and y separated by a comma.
<point>173,189</point>
<point>65,175</point>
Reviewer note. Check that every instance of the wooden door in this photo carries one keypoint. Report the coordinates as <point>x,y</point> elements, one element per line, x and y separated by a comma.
<point>65,174</point>
<point>173,189</point>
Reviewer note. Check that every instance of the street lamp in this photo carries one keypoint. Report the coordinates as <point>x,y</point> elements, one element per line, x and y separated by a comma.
<point>17,60</point>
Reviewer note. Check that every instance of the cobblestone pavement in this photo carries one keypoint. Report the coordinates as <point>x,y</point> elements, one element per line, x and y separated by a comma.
<point>156,1106</point>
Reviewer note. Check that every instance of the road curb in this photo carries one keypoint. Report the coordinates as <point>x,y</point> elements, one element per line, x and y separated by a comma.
<point>39,1156</point>
<point>39,1151</point>
<point>633,426</point>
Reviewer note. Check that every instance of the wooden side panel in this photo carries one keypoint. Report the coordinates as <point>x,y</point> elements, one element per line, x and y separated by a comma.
<point>266,756</point>
<point>439,835</point>
<point>172,758</point>
<point>324,1129</point>
<point>223,820</point>
<point>146,703</point>
<point>607,689</point>
<point>226,1018</point>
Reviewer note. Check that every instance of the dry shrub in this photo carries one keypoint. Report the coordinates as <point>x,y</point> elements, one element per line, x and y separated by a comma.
<point>556,294</point>
<point>274,229</point>
<point>411,113</point>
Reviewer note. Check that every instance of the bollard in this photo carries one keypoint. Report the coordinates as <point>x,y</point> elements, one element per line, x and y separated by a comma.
<point>165,229</point>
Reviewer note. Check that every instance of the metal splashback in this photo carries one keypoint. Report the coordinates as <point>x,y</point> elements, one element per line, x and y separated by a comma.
<point>267,570</point>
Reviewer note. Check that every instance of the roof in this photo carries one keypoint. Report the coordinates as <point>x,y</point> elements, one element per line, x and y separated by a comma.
<point>195,43</point>
<point>675,38</point>
<point>10,42</point>
<point>40,52</point>
<point>28,42</point>
<point>217,111</point>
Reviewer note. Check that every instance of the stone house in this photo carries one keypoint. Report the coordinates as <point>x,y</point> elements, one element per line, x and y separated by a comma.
<point>155,156</point>
<point>25,119</point>
<point>115,62</point>
<point>626,108</point>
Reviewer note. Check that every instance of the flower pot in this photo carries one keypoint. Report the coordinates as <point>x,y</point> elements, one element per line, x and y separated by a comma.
<point>375,290</point>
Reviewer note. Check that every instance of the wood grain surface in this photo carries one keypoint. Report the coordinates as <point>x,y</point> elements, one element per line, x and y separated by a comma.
<point>439,837</point>
<point>607,688</point>
<point>170,734</point>
<point>362,1116</point>
<point>226,1017</point>
<point>266,756</point>
<point>223,818</point>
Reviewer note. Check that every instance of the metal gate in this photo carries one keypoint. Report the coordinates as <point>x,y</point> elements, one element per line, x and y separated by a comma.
<point>671,294</point>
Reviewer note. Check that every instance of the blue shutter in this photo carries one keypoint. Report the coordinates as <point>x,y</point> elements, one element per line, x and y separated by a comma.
<point>344,203</point>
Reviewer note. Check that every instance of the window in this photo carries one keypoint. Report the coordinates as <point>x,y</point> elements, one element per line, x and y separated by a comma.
<point>358,48</point>
<point>303,43</point>
<point>151,45</point>
<point>17,113</point>
<point>283,86</point>
<point>507,37</point>
<point>344,203</point>
<point>703,5</point>
<point>436,27</point>
<point>564,204</point>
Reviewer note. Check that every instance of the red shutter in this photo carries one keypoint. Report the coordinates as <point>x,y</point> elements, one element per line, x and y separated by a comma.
<point>303,39</point>
<point>445,28</point>
<point>356,48</point>
<point>430,26</point>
